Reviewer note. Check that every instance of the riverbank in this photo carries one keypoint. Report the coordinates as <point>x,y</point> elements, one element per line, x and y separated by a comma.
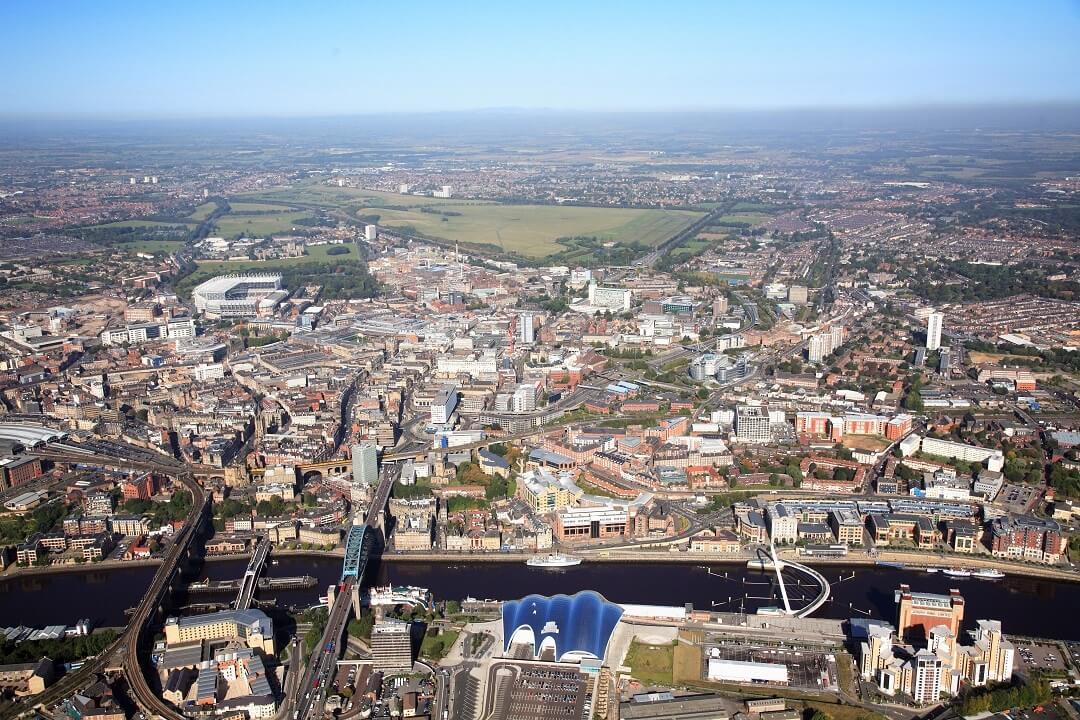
<point>104,566</point>
<point>911,560</point>
<point>921,561</point>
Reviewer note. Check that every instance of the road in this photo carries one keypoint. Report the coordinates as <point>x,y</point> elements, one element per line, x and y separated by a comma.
<point>322,664</point>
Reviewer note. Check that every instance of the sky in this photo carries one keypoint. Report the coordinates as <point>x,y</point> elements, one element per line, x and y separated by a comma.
<point>316,57</point>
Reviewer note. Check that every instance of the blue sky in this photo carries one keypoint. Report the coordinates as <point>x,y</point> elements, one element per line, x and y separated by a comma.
<point>315,58</point>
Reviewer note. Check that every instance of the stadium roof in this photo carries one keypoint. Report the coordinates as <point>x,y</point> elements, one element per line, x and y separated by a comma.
<point>222,283</point>
<point>579,624</point>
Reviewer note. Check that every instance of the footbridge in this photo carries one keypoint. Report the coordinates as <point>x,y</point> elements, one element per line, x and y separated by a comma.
<point>769,561</point>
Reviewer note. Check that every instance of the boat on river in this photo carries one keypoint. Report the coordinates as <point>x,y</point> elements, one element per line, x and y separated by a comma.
<point>554,560</point>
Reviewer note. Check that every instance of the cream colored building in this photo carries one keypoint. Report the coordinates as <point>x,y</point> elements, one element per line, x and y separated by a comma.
<point>250,626</point>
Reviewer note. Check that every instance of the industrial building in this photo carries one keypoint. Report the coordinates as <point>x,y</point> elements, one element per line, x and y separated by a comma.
<point>747,672</point>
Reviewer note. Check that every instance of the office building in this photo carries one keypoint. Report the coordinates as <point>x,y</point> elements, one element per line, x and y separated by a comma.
<point>235,296</point>
<point>591,523</point>
<point>365,465</point>
<point>391,646</point>
<point>752,424</point>
<point>934,322</point>
<point>545,492</point>
<point>17,470</point>
<point>138,333</point>
<point>473,364</point>
<point>783,526</point>
<point>443,404</point>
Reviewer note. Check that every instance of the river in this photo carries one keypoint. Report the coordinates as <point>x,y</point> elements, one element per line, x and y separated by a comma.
<point>1025,605</point>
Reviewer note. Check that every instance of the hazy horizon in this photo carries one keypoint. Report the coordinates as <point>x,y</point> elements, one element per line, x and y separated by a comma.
<point>203,59</point>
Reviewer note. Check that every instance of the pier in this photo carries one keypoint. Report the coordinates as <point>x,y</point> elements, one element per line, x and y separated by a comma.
<point>231,586</point>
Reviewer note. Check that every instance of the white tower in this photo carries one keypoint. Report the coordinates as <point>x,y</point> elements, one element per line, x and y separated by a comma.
<point>528,331</point>
<point>934,321</point>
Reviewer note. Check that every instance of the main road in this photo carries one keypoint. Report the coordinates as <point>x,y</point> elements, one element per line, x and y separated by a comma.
<point>311,700</point>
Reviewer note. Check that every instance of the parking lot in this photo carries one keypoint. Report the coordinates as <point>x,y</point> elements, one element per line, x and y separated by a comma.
<point>1039,656</point>
<point>537,692</point>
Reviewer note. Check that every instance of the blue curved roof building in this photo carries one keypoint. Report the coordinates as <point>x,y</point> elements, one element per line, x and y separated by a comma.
<point>579,624</point>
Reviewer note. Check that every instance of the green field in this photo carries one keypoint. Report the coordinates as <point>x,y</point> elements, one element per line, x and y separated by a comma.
<point>529,230</point>
<point>203,211</point>
<point>258,225</point>
<point>532,229</point>
<point>750,218</point>
<point>255,207</point>
<point>651,664</point>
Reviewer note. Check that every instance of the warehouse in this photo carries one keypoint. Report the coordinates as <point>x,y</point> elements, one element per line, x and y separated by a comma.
<point>742,671</point>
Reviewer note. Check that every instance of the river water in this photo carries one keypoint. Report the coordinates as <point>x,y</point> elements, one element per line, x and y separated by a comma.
<point>1025,605</point>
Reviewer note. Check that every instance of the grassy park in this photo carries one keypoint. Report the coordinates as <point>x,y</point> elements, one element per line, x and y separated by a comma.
<point>258,224</point>
<point>532,230</point>
<point>528,230</point>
